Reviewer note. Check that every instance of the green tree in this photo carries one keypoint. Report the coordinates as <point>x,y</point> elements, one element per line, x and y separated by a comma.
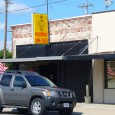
<point>8,54</point>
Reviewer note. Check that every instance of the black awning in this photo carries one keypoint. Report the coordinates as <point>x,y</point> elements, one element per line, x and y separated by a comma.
<point>90,57</point>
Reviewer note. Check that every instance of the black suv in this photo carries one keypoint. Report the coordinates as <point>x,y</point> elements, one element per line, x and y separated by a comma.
<point>29,91</point>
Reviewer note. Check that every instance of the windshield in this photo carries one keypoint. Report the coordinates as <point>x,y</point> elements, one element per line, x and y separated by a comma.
<point>36,80</point>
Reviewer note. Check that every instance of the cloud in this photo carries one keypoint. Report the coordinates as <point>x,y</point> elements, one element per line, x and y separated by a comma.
<point>14,7</point>
<point>1,4</point>
<point>1,26</point>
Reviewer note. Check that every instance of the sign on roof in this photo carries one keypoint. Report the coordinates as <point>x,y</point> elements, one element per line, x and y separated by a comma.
<point>40,29</point>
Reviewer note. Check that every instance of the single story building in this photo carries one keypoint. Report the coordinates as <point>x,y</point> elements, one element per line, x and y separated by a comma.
<point>91,62</point>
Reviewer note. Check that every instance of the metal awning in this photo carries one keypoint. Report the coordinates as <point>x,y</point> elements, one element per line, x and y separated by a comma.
<point>90,56</point>
<point>56,58</point>
<point>46,58</point>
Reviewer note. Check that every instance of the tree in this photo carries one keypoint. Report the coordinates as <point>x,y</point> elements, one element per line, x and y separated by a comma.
<point>8,54</point>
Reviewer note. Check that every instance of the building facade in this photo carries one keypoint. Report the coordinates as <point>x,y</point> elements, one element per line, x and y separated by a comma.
<point>103,27</point>
<point>67,37</point>
<point>98,30</point>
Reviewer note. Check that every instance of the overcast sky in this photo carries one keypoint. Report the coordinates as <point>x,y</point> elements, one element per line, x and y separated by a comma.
<point>19,11</point>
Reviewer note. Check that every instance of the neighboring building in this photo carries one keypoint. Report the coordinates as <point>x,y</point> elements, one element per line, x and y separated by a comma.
<point>103,26</point>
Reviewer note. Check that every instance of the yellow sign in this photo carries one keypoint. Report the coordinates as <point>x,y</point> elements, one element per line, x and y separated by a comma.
<point>40,29</point>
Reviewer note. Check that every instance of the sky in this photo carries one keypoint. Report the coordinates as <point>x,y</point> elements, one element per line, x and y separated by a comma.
<point>19,12</point>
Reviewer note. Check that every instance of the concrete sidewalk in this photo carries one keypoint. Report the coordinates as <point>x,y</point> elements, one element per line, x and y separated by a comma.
<point>94,109</point>
<point>80,109</point>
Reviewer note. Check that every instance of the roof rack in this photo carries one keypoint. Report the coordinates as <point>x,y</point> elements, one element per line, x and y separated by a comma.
<point>21,72</point>
<point>14,71</point>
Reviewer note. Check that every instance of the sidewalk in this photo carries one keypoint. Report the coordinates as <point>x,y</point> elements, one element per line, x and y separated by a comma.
<point>94,109</point>
<point>80,109</point>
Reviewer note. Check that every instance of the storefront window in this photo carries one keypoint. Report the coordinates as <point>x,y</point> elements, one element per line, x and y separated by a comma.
<point>110,74</point>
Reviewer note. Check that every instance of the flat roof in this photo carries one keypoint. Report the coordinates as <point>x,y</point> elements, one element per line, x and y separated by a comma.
<point>103,12</point>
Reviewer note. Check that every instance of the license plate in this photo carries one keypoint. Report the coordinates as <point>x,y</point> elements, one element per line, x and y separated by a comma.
<point>65,104</point>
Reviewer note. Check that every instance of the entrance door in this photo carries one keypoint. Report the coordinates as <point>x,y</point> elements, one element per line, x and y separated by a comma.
<point>49,70</point>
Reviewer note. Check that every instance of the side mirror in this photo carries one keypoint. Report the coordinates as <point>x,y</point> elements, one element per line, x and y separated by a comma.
<point>23,85</point>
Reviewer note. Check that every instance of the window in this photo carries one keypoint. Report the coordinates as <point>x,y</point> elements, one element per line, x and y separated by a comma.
<point>36,80</point>
<point>6,79</point>
<point>110,74</point>
<point>18,80</point>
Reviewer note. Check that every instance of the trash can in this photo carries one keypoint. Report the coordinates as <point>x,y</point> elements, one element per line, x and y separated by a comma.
<point>87,99</point>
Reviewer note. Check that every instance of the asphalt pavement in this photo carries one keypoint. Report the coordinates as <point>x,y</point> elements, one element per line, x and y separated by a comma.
<point>80,109</point>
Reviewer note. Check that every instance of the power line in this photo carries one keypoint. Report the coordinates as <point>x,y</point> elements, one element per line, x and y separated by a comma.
<point>34,6</point>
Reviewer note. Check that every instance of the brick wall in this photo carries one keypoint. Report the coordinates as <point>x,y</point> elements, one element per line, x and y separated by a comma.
<point>77,28</point>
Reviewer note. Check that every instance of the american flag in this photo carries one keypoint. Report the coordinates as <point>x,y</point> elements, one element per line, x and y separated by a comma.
<point>2,67</point>
<point>110,71</point>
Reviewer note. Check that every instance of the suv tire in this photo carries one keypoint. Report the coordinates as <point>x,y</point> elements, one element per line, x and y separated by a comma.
<point>20,110</point>
<point>65,111</point>
<point>37,107</point>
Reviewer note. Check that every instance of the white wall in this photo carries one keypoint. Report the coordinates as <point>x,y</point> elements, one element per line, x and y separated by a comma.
<point>103,26</point>
<point>109,96</point>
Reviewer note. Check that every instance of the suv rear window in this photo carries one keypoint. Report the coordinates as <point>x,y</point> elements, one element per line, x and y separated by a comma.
<point>6,79</point>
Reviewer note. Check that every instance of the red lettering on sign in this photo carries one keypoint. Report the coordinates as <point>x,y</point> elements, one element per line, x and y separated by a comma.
<point>41,34</point>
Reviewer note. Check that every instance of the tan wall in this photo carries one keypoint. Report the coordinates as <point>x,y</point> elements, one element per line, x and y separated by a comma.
<point>109,96</point>
<point>98,81</point>
<point>21,34</point>
<point>103,26</point>
<point>77,28</point>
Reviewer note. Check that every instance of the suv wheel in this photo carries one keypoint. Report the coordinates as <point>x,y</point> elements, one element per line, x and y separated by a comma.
<point>65,111</point>
<point>37,107</point>
<point>1,108</point>
<point>20,110</point>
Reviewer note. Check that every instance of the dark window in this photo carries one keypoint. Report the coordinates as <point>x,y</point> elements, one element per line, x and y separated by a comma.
<point>110,74</point>
<point>18,80</point>
<point>6,79</point>
<point>36,80</point>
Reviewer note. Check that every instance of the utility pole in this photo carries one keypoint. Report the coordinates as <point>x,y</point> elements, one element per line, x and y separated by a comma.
<point>47,7</point>
<point>5,28</point>
<point>48,20</point>
<point>86,5</point>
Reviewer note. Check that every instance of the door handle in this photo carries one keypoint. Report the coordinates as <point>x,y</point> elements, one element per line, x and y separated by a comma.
<point>12,89</point>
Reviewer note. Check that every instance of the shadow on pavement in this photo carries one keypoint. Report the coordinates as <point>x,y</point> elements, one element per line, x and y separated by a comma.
<point>14,112</point>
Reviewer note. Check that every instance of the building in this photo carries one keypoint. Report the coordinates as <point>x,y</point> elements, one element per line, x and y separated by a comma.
<point>67,37</point>
<point>81,52</point>
<point>103,27</point>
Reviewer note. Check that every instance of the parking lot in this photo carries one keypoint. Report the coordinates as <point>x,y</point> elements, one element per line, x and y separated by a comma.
<point>80,109</point>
